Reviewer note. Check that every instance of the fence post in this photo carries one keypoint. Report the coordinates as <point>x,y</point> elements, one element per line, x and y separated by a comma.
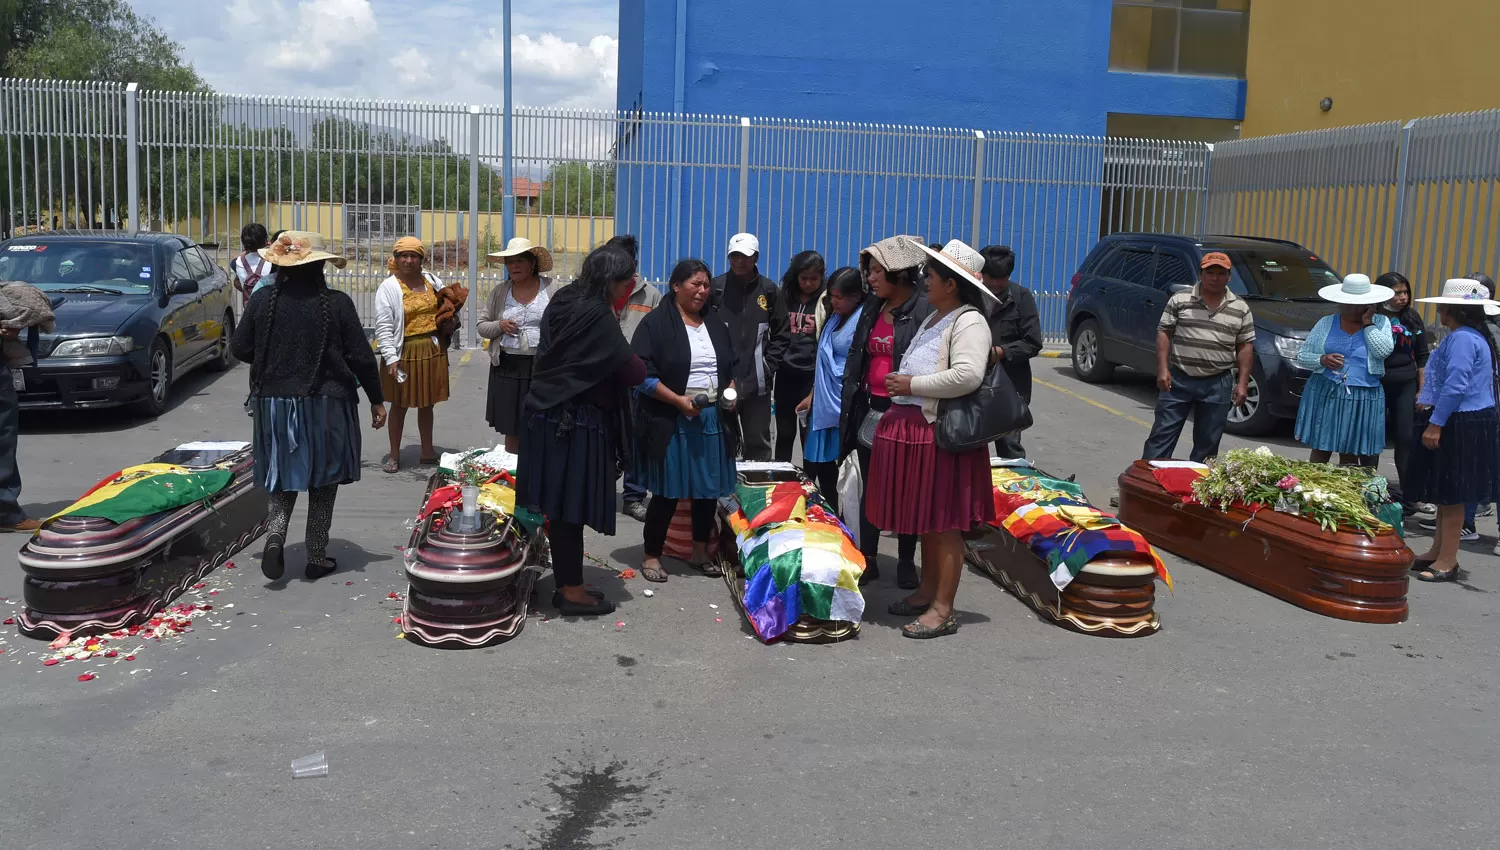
<point>744,175</point>
<point>132,157</point>
<point>1207,220</point>
<point>471,332</point>
<point>1400,238</point>
<point>978,186</point>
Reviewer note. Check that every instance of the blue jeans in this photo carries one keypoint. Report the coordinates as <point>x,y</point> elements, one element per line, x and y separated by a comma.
<point>1207,399</point>
<point>10,473</point>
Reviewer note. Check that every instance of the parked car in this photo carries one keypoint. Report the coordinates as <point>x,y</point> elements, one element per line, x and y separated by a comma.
<point>135,312</point>
<point>1122,287</point>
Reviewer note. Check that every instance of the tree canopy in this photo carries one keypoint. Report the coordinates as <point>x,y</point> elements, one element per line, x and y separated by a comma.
<point>90,40</point>
<point>578,188</point>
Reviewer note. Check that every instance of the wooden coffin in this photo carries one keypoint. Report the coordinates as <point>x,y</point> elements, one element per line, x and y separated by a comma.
<point>806,629</point>
<point>87,575</point>
<point>1343,574</point>
<point>469,587</point>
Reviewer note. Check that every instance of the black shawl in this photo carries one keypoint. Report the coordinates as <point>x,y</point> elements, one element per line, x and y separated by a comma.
<point>581,345</point>
<point>662,344</point>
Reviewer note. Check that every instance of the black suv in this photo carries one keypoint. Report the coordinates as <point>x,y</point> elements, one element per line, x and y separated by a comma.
<point>1122,287</point>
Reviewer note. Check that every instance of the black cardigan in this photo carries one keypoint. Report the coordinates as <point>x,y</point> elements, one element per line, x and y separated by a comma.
<point>291,364</point>
<point>854,399</point>
<point>662,344</point>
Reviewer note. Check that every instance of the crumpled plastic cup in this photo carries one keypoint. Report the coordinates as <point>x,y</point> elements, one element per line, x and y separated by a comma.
<point>308,767</point>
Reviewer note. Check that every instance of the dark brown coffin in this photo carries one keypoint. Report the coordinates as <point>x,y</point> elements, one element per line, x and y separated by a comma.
<point>469,588</point>
<point>1343,574</point>
<point>87,575</point>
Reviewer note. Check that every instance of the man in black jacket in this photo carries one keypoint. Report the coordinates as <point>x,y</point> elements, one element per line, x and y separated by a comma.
<point>747,302</point>
<point>1016,329</point>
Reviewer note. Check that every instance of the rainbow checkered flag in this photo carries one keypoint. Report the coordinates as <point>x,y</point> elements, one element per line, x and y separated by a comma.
<point>801,567</point>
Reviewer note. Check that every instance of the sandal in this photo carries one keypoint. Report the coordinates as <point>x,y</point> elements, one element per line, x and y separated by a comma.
<point>558,599</point>
<point>1420,564</point>
<point>390,465</point>
<point>598,609</point>
<point>317,571</point>
<point>708,568</point>
<point>918,630</point>
<point>656,573</point>
<point>1431,575</point>
<point>271,562</point>
<point>904,608</point>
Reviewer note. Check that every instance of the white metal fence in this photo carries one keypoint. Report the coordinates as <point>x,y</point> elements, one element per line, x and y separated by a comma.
<point>364,172</point>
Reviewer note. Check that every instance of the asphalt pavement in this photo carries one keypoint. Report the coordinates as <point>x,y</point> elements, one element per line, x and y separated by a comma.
<point>1244,723</point>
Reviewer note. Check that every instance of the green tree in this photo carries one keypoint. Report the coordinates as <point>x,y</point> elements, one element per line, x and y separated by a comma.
<point>90,40</point>
<point>578,188</point>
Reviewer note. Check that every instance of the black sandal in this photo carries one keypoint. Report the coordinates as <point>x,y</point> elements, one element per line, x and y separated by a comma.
<point>708,568</point>
<point>917,630</point>
<point>1420,564</point>
<point>272,564</point>
<point>573,609</point>
<point>1430,575</point>
<point>558,599</point>
<point>317,571</point>
<point>657,574</point>
<point>904,608</point>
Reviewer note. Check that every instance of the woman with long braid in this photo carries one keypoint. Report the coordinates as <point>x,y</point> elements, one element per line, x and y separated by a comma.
<point>307,350</point>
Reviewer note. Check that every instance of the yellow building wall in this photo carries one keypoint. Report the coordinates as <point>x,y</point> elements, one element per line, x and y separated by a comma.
<point>1379,60</point>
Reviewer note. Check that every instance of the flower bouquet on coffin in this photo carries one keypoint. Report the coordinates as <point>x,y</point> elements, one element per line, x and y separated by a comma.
<point>1332,496</point>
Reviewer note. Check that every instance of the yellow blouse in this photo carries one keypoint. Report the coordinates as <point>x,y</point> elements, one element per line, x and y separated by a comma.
<point>421,310</point>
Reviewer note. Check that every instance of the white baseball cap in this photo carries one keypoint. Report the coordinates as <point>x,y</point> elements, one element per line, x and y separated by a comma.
<point>744,243</point>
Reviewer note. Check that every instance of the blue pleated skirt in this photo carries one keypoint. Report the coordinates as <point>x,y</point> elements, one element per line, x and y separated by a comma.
<point>698,464</point>
<point>568,473</point>
<point>821,446</point>
<point>304,443</point>
<point>1465,467</point>
<point>1335,418</point>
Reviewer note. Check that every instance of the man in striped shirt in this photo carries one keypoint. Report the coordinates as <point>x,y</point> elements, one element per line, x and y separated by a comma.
<point>1204,333</point>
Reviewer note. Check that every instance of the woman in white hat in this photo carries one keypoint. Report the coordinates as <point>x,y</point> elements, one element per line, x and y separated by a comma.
<point>1457,459</point>
<point>914,487</point>
<point>308,356</point>
<point>512,321</point>
<point>1343,406</point>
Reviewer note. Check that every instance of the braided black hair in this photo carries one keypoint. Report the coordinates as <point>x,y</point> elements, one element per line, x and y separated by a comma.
<point>309,274</point>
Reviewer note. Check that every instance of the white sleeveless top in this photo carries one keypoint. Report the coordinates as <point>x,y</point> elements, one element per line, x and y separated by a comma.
<point>922,355</point>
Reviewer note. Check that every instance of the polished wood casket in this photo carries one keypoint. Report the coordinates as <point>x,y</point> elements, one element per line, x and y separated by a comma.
<point>1344,574</point>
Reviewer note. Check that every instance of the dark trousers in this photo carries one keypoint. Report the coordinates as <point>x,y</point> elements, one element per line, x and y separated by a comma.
<point>634,492</point>
<point>659,518</point>
<point>791,388</point>
<point>567,552</point>
<point>826,476</point>
<point>1010,446</point>
<point>752,421</point>
<point>1207,399</point>
<point>10,432</point>
<point>869,535</point>
<point>1400,426</point>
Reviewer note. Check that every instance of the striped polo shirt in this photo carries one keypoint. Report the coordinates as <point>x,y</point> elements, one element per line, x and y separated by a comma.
<point>1204,340</point>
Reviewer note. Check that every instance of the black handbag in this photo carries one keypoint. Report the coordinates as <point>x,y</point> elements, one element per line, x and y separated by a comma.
<point>982,416</point>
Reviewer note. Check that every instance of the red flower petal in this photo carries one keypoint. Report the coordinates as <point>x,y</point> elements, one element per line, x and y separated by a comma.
<point>198,586</point>
<point>10,621</point>
<point>49,662</point>
<point>229,566</point>
<point>213,593</point>
<point>393,595</point>
<point>130,658</point>
<point>85,677</point>
<point>111,654</point>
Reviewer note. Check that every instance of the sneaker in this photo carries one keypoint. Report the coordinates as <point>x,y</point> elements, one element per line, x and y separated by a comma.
<point>1425,510</point>
<point>636,510</point>
<point>1485,510</point>
<point>25,526</point>
<point>1468,535</point>
<point>1428,525</point>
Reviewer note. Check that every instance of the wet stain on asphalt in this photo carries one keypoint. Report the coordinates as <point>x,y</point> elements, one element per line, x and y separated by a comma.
<point>592,798</point>
<point>625,661</point>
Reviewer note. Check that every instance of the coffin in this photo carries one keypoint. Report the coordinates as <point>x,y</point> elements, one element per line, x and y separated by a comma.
<point>1343,574</point>
<point>806,629</point>
<point>469,587</point>
<point>87,575</point>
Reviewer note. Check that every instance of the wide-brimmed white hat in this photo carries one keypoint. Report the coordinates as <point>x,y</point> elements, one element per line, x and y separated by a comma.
<point>1465,293</point>
<point>298,248</point>
<point>521,245</point>
<point>1356,289</point>
<point>963,260</point>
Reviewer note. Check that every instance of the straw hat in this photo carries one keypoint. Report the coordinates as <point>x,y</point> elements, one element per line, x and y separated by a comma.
<point>1356,289</point>
<point>895,253</point>
<point>964,261</point>
<point>521,245</point>
<point>1465,293</point>
<point>298,248</point>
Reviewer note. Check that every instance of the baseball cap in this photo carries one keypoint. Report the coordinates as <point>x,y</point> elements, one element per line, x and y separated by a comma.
<point>1216,258</point>
<point>744,243</point>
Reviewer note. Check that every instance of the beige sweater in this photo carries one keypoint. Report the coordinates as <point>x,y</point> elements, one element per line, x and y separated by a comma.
<point>961,361</point>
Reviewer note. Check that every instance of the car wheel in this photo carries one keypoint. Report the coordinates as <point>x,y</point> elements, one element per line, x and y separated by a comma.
<point>159,380</point>
<point>1253,418</point>
<point>223,360</point>
<point>1088,364</point>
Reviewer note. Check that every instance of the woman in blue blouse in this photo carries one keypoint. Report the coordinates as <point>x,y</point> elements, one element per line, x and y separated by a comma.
<point>1343,406</point>
<point>1458,457</point>
<point>820,455</point>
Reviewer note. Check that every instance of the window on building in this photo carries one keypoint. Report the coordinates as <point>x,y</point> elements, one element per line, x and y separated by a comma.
<point>1202,38</point>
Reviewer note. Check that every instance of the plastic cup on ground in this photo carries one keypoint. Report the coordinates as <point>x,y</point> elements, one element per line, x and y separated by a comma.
<point>308,767</point>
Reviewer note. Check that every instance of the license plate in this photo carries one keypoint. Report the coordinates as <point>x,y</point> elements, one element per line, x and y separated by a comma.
<point>18,380</point>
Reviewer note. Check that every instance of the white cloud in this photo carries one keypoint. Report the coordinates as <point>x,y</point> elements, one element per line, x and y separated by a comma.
<point>317,36</point>
<point>411,68</point>
<point>551,70</point>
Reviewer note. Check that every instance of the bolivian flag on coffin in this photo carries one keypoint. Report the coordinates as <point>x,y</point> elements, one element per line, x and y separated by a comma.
<point>148,489</point>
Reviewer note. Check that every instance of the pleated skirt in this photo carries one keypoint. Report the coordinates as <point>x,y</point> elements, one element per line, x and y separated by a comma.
<point>303,443</point>
<point>1464,468</point>
<point>568,464</point>
<point>1335,418</point>
<point>426,367</point>
<point>509,383</point>
<point>916,488</point>
<point>698,464</point>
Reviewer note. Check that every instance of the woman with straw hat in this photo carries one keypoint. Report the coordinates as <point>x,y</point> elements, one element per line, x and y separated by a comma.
<point>416,364</point>
<point>915,487</point>
<point>1457,458</point>
<point>1343,405</point>
<point>512,321</point>
<point>308,356</point>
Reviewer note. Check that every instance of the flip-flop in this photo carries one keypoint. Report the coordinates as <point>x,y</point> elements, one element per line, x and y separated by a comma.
<point>656,574</point>
<point>708,568</point>
<point>390,465</point>
<point>918,630</point>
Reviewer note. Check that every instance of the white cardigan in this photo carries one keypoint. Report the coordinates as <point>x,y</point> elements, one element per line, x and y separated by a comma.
<point>961,361</point>
<point>390,316</point>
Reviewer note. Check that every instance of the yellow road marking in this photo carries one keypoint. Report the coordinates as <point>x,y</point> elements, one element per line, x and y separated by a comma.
<point>464,360</point>
<point>1054,355</point>
<point>1086,400</point>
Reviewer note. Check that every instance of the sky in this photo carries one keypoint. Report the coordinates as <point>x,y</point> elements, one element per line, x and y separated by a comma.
<point>445,50</point>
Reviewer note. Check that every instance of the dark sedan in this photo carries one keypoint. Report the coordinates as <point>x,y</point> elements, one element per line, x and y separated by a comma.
<point>135,312</point>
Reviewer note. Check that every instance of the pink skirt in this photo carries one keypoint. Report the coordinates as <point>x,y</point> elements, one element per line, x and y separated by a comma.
<point>916,488</point>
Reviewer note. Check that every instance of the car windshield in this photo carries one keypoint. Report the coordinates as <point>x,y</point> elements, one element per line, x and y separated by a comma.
<point>118,266</point>
<point>1280,273</point>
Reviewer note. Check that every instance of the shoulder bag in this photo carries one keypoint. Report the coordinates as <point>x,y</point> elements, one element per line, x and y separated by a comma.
<point>983,416</point>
